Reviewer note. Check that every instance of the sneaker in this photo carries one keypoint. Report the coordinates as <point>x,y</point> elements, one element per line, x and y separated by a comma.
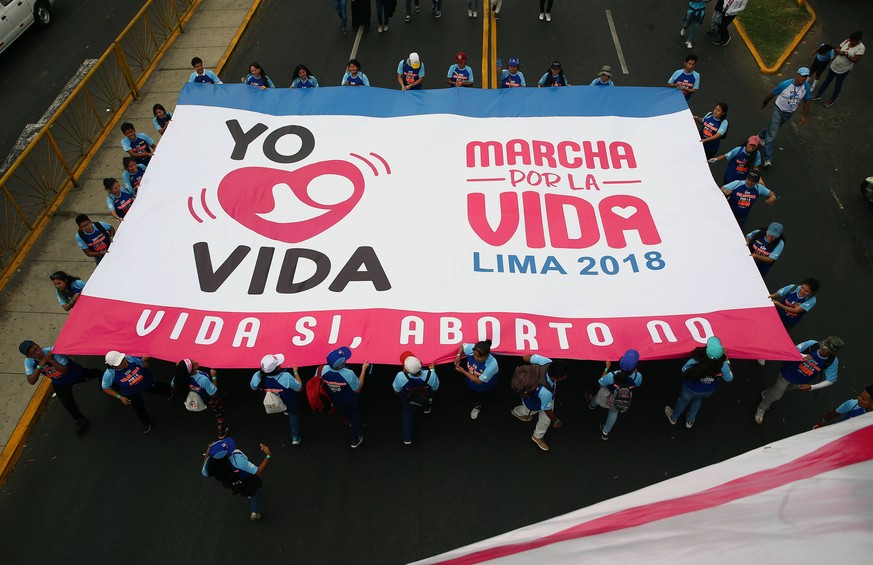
<point>358,442</point>
<point>475,14</point>
<point>295,440</point>
<point>427,410</point>
<point>688,44</point>
<point>82,425</point>
<point>668,411</point>
<point>407,442</point>
<point>816,98</point>
<point>719,43</point>
<point>255,516</point>
<point>682,32</point>
<point>527,418</point>
<point>603,435</point>
<point>542,16</point>
<point>541,443</point>
<point>469,13</point>
<point>147,427</point>
<point>474,413</point>
<point>548,17</point>
<point>762,362</point>
<point>689,424</point>
<point>590,398</point>
<point>726,41</point>
<point>385,27</point>
<point>438,14</point>
<point>829,103</point>
<point>767,163</point>
<point>417,8</point>
<point>408,18</point>
<point>759,416</point>
<point>379,29</point>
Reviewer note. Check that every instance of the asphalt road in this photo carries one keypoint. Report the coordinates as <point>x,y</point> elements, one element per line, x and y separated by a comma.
<point>36,67</point>
<point>115,494</point>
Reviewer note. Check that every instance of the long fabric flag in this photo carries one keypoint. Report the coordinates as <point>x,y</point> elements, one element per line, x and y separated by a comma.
<point>575,222</point>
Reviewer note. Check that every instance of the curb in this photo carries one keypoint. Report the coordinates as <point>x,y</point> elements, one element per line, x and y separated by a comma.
<point>17,441</point>
<point>788,50</point>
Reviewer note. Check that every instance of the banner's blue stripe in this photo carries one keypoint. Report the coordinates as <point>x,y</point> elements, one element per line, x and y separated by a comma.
<point>624,101</point>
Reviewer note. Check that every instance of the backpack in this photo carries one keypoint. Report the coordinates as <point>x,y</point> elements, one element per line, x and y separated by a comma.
<point>318,398</point>
<point>194,402</point>
<point>620,398</point>
<point>527,379</point>
<point>419,395</point>
<point>99,228</point>
<point>273,403</point>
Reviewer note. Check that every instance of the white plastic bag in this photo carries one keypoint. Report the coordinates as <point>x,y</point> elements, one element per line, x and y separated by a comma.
<point>273,404</point>
<point>194,402</point>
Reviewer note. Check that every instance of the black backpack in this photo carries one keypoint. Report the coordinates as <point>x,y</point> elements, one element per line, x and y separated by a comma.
<point>418,395</point>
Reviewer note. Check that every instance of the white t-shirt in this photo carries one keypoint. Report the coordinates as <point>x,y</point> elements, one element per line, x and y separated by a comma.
<point>841,63</point>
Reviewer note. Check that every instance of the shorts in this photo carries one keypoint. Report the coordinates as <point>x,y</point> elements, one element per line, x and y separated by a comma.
<point>817,67</point>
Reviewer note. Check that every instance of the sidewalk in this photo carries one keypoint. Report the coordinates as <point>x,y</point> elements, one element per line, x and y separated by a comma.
<point>28,307</point>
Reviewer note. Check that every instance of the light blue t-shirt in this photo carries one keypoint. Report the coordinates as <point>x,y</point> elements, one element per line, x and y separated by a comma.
<point>849,406</point>
<point>239,461</point>
<point>348,76</point>
<point>157,124</point>
<point>546,396</point>
<point>109,374</point>
<point>125,142</point>
<point>733,152</point>
<point>609,378</point>
<point>810,302</point>
<point>110,199</point>
<point>598,82</point>
<point>692,80</point>
<point>762,190</point>
<point>285,379</point>
<point>75,288</point>
<point>403,62</point>
<point>542,81</point>
<point>127,183</point>
<point>726,373</point>
<point>832,371</point>
<point>491,367</point>
<point>212,76</point>
<point>433,381</point>
<point>776,250</point>
<point>508,80</point>
<point>81,242</point>
<point>302,83</point>
<point>456,73</point>
<point>826,57</point>
<point>347,374</point>
<point>30,363</point>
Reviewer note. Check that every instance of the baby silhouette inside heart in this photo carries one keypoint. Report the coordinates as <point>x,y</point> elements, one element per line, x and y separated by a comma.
<point>291,206</point>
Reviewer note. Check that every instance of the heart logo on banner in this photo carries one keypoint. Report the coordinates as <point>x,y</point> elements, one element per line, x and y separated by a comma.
<point>624,212</point>
<point>250,197</point>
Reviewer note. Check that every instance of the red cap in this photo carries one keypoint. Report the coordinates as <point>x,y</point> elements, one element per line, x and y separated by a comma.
<point>461,56</point>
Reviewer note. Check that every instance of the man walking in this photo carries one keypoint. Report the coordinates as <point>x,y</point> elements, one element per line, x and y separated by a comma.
<point>788,94</point>
<point>344,388</point>
<point>542,399</point>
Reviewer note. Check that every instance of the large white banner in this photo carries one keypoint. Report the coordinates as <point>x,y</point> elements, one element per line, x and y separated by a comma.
<point>296,221</point>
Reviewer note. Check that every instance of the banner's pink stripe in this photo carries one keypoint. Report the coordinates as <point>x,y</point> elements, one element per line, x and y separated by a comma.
<point>853,448</point>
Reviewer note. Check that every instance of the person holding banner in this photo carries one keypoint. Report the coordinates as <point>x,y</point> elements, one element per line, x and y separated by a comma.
<point>616,389</point>
<point>819,358</point>
<point>410,71</point>
<point>258,78</point>
<point>480,371</point>
<point>93,238</point>
<point>189,378</point>
<point>708,365</point>
<point>126,378</point>
<point>714,126</point>
<point>793,301</point>
<point>118,200</point>
<point>765,246</point>
<point>344,388</point>
<point>303,78</point>
<point>64,374</point>
<point>742,160</point>
<point>68,289</point>
<point>272,378</point>
<point>742,194</point>
<point>686,79</point>
<point>542,399</point>
<point>511,77</point>
<point>230,466</point>
<point>849,409</point>
<point>415,387</point>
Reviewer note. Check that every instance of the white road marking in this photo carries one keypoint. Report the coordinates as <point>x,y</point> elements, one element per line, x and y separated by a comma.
<point>834,194</point>
<point>617,44</point>
<point>357,42</point>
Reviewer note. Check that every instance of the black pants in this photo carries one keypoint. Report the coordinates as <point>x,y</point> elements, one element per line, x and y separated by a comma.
<point>139,404</point>
<point>353,413</point>
<point>725,22</point>
<point>65,392</point>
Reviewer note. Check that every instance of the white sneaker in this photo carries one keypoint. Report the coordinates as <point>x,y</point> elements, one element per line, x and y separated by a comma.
<point>474,413</point>
<point>469,13</point>
<point>548,17</point>
<point>759,416</point>
<point>682,32</point>
<point>668,411</point>
<point>475,14</point>
<point>379,29</point>
<point>762,362</point>
<point>767,163</point>
<point>542,16</point>
<point>688,44</point>
<point>255,516</point>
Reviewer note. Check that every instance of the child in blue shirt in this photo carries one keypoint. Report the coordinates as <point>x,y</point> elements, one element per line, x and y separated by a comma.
<point>851,408</point>
<point>460,74</point>
<point>354,76</point>
<point>303,78</point>
<point>824,54</point>
<point>686,79</point>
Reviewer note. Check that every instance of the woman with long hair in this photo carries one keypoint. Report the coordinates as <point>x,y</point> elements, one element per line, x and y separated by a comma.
<point>189,377</point>
<point>708,365</point>
<point>258,78</point>
<point>68,288</point>
<point>162,118</point>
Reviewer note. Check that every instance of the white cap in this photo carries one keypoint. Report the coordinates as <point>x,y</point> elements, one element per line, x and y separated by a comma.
<point>414,60</point>
<point>412,365</point>
<point>114,358</point>
<point>270,362</point>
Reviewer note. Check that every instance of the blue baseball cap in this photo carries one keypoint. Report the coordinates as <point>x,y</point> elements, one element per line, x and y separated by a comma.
<point>513,62</point>
<point>803,71</point>
<point>774,229</point>
<point>629,360</point>
<point>337,357</point>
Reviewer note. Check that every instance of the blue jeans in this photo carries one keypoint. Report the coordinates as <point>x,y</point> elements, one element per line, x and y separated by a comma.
<point>294,419</point>
<point>380,12</point>
<point>691,400</point>
<point>612,414</point>
<point>353,413</point>
<point>407,420</point>
<point>255,501</point>
<point>839,86</point>
<point>409,6</point>
<point>777,118</point>
<point>691,23</point>
<point>340,7</point>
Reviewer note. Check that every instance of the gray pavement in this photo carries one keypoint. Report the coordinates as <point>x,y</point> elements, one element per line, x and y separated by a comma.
<point>461,481</point>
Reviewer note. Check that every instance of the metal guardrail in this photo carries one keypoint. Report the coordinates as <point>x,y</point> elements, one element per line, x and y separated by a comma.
<point>38,180</point>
